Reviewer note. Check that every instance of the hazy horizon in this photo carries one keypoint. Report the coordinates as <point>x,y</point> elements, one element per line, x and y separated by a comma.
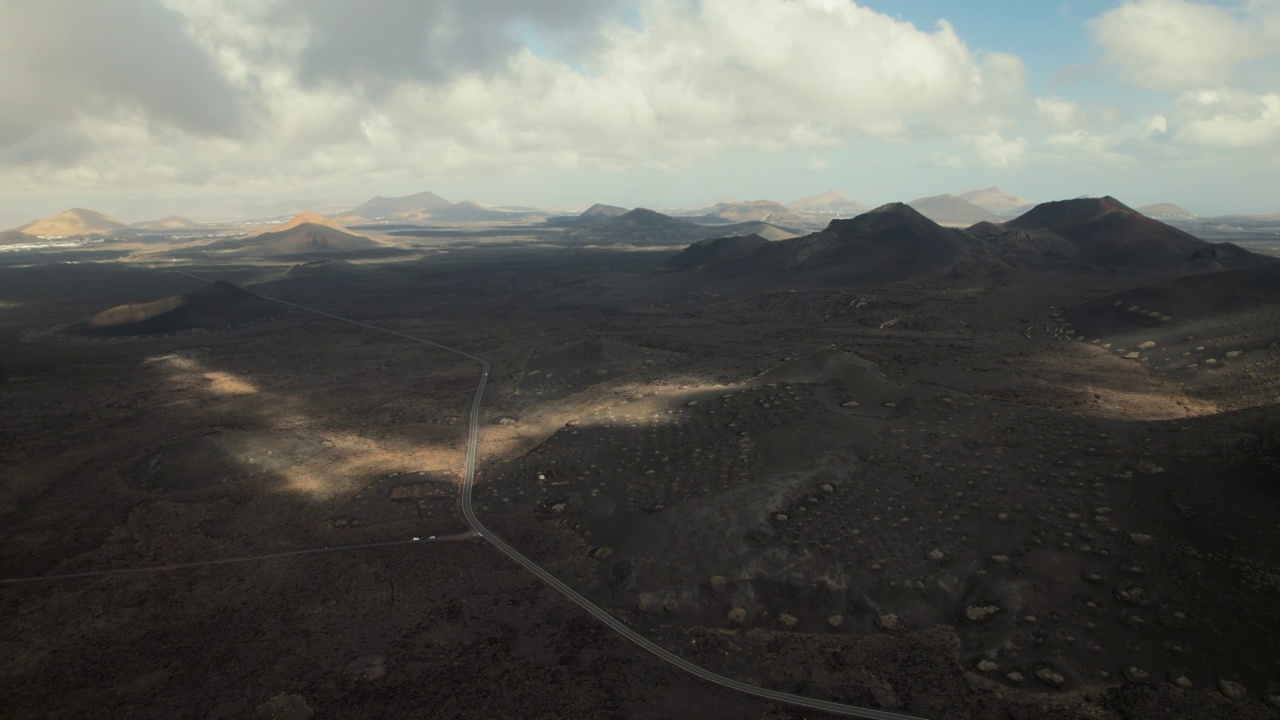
<point>658,103</point>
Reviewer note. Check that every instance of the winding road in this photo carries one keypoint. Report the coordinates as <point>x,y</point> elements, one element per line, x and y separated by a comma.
<point>478,528</point>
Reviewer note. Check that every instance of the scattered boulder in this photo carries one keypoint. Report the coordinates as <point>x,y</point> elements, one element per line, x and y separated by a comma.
<point>1232,690</point>
<point>890,622</point>
<point>787,621</point>
<point>738,615</point>
<point>981,613</point>
<point>835,621</point>
<point>1051,678</point>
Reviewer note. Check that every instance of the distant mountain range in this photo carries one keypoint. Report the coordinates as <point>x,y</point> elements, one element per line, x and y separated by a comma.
<point>643,227</point>
<point>896,241</point>
<point>832,202</point>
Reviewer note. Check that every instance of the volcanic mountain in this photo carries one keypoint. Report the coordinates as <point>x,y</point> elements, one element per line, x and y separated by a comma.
<point>1105,231</point>
<point>396,208</point>
<point>1168,210</point>
<point>600,211</point>
<point>74,222</point>
<point>890,242</point>
<point>754,211</point>
<point>172,222</point>
<point>217,305</point>
<point>997,200</point>
<point>951,210</point>
<point>637,227</point>
<point>306,234</point>
<point>829,203</point>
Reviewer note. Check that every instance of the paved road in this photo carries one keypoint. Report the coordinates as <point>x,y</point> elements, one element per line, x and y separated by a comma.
<point>469,513</point>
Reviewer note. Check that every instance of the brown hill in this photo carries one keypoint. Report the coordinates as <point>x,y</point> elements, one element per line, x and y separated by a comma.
<point>1166,210</point>
<point>1105,231</point>
<point>306,234</point>
<point>172,222</point>
<point>74,222</point>
<point>996,200</point>
<point>754,211</point>
<point>216,306</point>
<point>951,210</point>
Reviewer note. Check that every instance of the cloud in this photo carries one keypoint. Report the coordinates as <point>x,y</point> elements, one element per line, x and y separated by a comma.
<point>258,93</point>
<point>994,150</point>
<point>1226,119</point>
<point>379,42</point>
<point>65,59</point>
<point>1057,113</point>
<point>1173,44</point>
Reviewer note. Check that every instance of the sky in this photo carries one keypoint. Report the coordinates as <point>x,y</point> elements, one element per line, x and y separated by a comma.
<point>223,109</point>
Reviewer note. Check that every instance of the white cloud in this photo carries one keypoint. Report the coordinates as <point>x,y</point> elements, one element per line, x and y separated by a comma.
<point>1226,119</point>
<point>995,151</point>
<point>1057,113</point>
<point>690,81</point>
<point>1172,44</point>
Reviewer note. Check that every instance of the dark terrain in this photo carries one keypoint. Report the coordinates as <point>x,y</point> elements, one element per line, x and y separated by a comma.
<point>1027,471</point>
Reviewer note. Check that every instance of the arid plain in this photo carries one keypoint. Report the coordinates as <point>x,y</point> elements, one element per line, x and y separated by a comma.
<point>1023,470</point>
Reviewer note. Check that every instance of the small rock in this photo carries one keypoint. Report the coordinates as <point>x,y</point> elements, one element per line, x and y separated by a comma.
<point>1138,673</point>
<point>1131,356</point>
<point>890,622</point>
<point>718,582</point>
<point>987,666</point>
<point>1233,690</point>
<point>826,487</point>
<point>1234,354</point>
<point>1049,677</point>
<point>1141,539</point>
<point>936,555</point>
<point>849,404</point>
<point>738,615</point>
<point>1182,681</point>
<point>1001,559</point>
<point>786,620</point>
<point>889,404</point>
<point>1015,676</point>
<point>980,613</point>
<point>781,517</point>
<point>835,621</point>
<point>602,553</point>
